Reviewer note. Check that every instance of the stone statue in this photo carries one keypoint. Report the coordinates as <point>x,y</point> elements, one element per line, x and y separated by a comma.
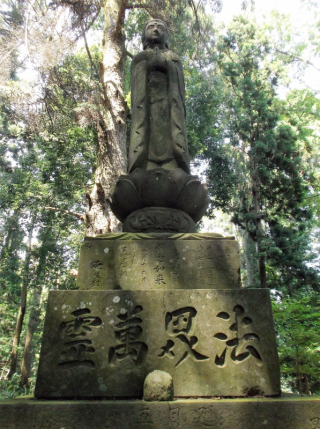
<point>158,194</point>
<point>158,131</point>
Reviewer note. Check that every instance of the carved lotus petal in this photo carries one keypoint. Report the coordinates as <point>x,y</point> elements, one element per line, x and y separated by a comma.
<point>161,189</point>
<point>202,211</point>
<point>193,198</point>
<point>137,177</point>
<point>125,198</point>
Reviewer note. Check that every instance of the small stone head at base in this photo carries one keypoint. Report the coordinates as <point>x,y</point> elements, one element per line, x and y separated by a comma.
<point>158,386</point>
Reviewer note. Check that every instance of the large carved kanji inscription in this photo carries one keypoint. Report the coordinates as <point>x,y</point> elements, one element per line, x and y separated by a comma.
<point>104,343</point>
<point>159,264</point>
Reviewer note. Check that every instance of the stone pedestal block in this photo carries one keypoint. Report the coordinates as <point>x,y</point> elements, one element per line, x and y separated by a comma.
<point>255,413</point>
<point>102,344</point>
<point>159,261</point>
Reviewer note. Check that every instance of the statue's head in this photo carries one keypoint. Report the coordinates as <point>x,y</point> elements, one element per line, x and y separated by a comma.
<point>155,32</point>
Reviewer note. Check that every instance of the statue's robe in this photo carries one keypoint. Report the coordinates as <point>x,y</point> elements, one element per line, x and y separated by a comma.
<point>158,131</point>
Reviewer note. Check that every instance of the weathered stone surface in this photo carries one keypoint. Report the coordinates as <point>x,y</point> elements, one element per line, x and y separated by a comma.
<point>159,219</point>
<point>158,386</point>
<point>160,188</point>
<point>298,413</point>
<point>158,132</point>
<point>158,152</point>
<point>104,343</point>
<point>159,264</point>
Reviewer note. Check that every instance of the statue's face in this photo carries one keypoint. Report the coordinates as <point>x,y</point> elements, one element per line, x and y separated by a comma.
<point>156,33</point>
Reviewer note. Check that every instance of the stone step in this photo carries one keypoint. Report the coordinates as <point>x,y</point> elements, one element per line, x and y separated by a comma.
<point>290,412</point>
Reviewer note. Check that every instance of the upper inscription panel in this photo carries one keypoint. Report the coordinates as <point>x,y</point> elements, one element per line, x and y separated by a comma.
<point>159,264</point>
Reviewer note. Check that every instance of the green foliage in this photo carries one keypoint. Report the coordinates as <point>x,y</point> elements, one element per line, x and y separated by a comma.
<point>46,168</point>
<point>9,389</point>
<point>270,147</point>
<point>297,322</point>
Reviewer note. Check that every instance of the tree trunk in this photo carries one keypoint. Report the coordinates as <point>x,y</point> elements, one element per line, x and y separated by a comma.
<point>6,242</point>
<point>12,227</point>
<point>259,231</point>
<point>250,256</point>
<point>112,129</point>
<point>32,326</point>
<point>22,308</point>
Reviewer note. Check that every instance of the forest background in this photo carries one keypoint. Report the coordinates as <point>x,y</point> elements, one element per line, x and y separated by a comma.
<point>253,111</point>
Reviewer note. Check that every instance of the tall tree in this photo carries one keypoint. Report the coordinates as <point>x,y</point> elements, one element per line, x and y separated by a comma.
<point>297,324</point>
<point>271,182</point>
<point>23,302</point>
